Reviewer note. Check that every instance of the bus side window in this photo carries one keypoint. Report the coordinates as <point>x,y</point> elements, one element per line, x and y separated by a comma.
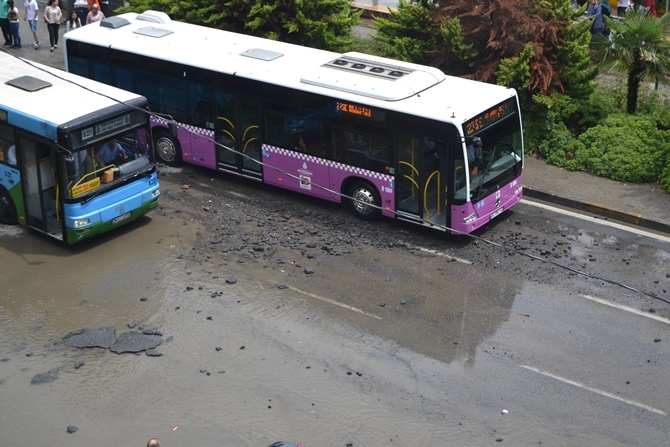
<point>7,148</point>
<point>202,114</point>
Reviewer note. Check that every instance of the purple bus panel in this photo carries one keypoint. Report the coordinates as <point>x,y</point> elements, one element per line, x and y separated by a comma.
<point>196,142</point>
<point>309,175</point>
<point>488,208</point>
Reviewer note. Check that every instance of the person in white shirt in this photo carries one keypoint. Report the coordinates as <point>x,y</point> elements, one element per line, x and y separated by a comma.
<point>31,15</point>
<point>73,22</point>
<point>53,15</point>
<point>622,6</point>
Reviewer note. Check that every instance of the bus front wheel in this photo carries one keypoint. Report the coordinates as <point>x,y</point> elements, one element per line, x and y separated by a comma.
<point>167,149</point>
<point>7,210</point>
<point>364,201</point>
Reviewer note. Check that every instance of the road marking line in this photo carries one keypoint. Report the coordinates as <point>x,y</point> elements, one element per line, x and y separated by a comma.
<point>597,391</point>
<point>438,253</point>
<point>627,309</point>
<point>597,220</point>
<point>337,303</point>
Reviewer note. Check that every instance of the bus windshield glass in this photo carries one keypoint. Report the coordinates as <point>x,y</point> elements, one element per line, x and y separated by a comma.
<point>493,157</point>
<point>106,163</point>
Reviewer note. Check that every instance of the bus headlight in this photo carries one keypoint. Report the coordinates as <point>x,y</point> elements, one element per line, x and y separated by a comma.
<point>156,192</point>
<point>81,222</point>
<point>470,218</point>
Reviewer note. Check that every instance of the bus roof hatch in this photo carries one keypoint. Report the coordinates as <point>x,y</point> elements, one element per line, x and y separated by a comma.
<point>28,83</point>
<point>372,78</point>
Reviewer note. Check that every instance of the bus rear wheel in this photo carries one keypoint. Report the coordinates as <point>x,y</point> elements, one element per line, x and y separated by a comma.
<point>7,210</point>
<point>167,149</point>
<point>365,201</point>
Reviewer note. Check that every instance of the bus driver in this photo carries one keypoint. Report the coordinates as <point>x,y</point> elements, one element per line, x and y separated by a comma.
<point>475,155</point>
<point>111,152</point>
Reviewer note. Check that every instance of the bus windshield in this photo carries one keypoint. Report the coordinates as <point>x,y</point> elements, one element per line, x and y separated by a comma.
<point>106,163</point>
<point>493,157</point>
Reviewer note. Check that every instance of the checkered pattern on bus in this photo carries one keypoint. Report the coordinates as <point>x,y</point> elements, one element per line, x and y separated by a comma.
<point>329,163</point>
<point>297,155</point>
<point>187,127</point>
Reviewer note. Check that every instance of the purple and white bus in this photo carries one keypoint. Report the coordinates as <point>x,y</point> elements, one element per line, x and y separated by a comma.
<point>387,137</point>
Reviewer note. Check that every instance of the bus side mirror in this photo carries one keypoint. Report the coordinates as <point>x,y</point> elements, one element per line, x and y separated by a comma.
<point>70,168</point>
<point>172,125</point>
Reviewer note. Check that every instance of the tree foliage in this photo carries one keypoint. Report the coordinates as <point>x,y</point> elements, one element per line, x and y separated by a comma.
<point>409,32</point>
<point>533,46</point>
<point>639,48</point>
<point>322,24</point>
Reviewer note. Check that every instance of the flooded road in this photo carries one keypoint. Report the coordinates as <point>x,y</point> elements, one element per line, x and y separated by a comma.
<point>320,337</point>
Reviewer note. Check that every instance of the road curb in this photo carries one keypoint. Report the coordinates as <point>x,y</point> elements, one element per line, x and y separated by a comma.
<point>602,210</point>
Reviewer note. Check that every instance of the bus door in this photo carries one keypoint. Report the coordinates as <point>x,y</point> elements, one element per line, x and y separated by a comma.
<point>238,128</point>
<point>421,180</point>
<point>40,188</point>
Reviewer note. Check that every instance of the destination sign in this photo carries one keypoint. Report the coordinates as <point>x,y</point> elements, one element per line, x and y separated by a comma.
<point>490,117</point>
<point>360,111</point>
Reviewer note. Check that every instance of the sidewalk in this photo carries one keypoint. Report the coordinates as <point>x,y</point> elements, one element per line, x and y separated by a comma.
<point>43,55</point>
<point>645,205</point>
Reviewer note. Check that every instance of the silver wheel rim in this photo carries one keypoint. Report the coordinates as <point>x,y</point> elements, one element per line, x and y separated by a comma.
<point>364,201</point>
<point>166,149</point>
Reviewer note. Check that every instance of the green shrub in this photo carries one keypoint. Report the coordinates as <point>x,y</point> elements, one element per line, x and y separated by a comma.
<point>627,148</point>
<point>664,180</point>
<point>558,144</point>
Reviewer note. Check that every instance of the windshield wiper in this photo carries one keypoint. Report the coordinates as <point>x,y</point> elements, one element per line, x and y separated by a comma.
<point>91,197</point>
<point>486,171</point>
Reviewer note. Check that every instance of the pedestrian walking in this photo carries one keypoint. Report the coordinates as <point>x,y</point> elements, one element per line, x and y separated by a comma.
<point>13,16</point>
<point>73,22</point>
<point>31,15</point>
<point>53,15</point>
<point>154,442</point>
<point>81,8</point>
<point>595,13</point>
<point>94,15</point>
<point>4,23</point>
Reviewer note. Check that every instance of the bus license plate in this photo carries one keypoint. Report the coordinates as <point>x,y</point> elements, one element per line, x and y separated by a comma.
<point>120,218</point>
<point>497,213</point>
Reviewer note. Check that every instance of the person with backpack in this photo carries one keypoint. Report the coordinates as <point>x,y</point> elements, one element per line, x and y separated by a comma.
<point>13,16</point>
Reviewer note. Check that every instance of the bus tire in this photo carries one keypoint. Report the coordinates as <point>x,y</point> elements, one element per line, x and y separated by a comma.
<point>7,209</point>
<point>168,150</point>
<point>367,203</point>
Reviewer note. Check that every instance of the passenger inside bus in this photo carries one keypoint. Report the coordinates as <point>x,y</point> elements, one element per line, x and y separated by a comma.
<point>431,159</point>
<point>11,155</point>
<point>300,145</point>
<point>84,164</point>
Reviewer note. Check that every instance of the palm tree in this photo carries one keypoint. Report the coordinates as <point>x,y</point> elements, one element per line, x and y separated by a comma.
<point>639,47</point>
